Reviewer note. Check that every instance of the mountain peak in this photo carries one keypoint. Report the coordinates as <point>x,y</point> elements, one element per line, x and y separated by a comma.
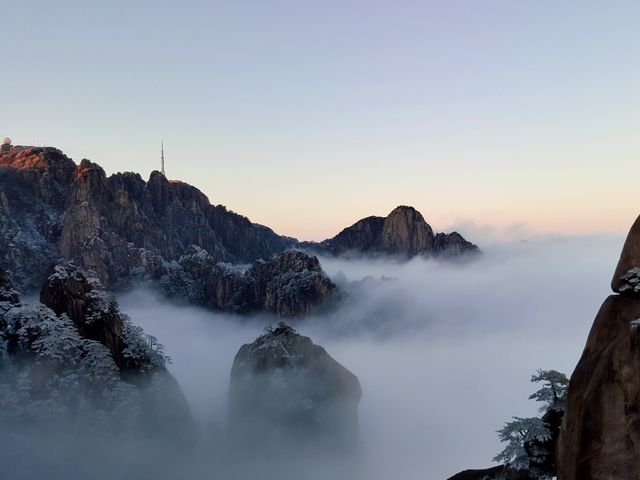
<point>42,159</point>
<point>404,232</point>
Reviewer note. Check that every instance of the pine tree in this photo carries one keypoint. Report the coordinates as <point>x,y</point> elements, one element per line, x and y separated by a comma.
<point>553,392</point>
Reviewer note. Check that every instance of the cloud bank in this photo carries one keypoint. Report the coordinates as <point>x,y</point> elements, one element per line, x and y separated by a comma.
<point>443,351</point>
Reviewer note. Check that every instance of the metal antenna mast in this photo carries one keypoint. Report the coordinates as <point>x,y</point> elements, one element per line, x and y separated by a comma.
<point>162,158</point>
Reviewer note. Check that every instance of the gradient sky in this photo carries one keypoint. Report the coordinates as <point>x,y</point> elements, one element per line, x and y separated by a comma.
<point>307,116</point>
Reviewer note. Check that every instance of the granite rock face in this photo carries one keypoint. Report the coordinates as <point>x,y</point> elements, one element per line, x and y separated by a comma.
<point>284,388</point>
<point>126,230</point>
<point>403,233</point>
<point>52,209</point>
<point>600,434</point>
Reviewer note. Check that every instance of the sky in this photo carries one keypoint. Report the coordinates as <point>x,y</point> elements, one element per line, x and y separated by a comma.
<point>306,116</point>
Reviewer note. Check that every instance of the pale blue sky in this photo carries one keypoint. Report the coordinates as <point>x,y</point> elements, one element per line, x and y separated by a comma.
<point>309,115</point>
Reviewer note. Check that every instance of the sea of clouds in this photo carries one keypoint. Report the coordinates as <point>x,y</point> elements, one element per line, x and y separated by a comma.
<point>444,351</point>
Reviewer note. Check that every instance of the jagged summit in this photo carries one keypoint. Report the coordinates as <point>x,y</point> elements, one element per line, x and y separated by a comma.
<point>126,229</point>
<point>404,232</point>
<point>117,225</point>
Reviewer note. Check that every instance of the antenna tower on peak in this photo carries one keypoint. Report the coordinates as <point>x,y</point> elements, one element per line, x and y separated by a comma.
<point>162,158</point>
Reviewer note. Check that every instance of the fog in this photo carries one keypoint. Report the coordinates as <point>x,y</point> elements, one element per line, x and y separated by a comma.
<point>444,352</point>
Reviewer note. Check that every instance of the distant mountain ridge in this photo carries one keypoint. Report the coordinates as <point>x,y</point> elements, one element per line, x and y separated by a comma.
<point>126,229</point>
<point>404,232</point>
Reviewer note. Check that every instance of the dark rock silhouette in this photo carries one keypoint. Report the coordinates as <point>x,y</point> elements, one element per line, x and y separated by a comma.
<point>403,233</point>
<point>600,434</point>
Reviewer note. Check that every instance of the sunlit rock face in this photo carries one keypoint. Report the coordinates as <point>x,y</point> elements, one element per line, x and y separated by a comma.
<point>403,233</point>
<point>285,390</point>
<point>600,434</point>
<point>76,362</point>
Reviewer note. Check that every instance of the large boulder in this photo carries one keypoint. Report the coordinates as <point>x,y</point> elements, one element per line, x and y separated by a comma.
<point>600,434</point>
<point>285,391</point>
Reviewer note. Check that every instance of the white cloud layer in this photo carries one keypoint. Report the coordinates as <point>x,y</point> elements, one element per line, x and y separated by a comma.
<point>444,352</point>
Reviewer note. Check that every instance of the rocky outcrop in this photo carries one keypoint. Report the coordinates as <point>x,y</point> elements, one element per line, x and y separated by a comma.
<point>77,358</point>
<point>290,285</point>
<point>403,233</point>
<point>600,434</point>
<point>80,296</point>
<point>51,209</point>
<point>285,390</point>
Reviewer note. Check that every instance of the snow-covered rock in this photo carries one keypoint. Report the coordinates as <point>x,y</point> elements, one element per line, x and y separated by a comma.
<point>75,360</point>
<point>289,285</point>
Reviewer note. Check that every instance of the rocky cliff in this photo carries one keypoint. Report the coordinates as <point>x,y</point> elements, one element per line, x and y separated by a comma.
<point>403,233</point>
<point>289,285</point>
<point>285,390</point>
<point>125,229</point>
<point>118,226</point>
<point>76,360</point>
<point>600,434</point>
